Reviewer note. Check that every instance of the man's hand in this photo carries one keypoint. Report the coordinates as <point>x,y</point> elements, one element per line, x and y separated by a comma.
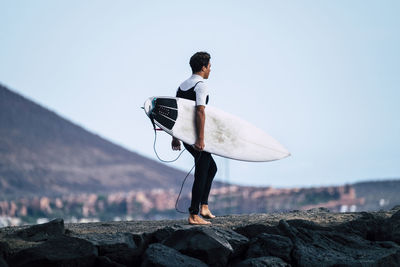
<point>199,145</point>
<point>175,144</point>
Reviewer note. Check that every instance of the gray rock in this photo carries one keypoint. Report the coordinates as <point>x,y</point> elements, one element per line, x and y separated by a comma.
<point>318,210</point>
<point>263,262</point>
<point>254,230</point>
<point>42,232</point>
<point>238,242</point>
<point>103,261</point>
<point>392,228</point>
<point>202,243</point>
<point>163,233</point>
<point>160,255</point>
<point>123,255</point>
<point>60,251</point>
<point>368,226</point>
<point>110,239</point>
<point>323,246</point>
<point>122,248</point>
<point>270,245</point>
<point>3,263</point>
<point>4,249</point>
<point>395,208</point>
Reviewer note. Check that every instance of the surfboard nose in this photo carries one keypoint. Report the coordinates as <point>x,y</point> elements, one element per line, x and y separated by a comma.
<point>148,105</point>
<point>285,152</point>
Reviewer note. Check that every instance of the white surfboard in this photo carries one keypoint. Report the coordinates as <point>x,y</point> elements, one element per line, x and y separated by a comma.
<point>225,135</point>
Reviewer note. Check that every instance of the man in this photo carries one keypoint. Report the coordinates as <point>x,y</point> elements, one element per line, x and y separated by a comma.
<point>195,89</point>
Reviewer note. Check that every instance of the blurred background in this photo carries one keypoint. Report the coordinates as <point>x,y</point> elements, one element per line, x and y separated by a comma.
<point>320,77</point>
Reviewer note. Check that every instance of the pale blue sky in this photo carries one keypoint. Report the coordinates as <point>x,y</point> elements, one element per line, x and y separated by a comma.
<point>322,77</point>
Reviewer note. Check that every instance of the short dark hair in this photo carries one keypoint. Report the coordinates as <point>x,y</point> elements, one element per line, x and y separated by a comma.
<point>199,60</point>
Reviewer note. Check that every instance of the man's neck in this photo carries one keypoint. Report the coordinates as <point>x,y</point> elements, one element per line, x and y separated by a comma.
<point>201,74</point>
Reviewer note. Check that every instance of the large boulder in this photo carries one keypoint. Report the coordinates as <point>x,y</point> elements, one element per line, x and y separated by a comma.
<point>42,232</point>
<point>123,248</point>
<point>238,242</point>
<point>368,226</point>
<point>392,228</point>
<point>314,245</point>
<point>163,233</point>
<point>270,245</point>
<point>158,255</point>
<point>211,245</point>
<point>60,251</point>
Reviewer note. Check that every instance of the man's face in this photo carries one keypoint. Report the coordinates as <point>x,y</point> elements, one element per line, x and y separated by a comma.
<point>207,71</point>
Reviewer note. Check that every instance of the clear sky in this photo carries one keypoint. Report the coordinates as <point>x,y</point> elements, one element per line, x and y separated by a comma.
<point>321,77</point>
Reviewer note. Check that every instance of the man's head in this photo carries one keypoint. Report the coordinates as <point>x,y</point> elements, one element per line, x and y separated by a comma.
<point>200,64</point>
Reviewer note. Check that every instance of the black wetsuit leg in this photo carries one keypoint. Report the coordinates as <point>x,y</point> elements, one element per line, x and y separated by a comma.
<point>212,170</point>
<point>203,176</point>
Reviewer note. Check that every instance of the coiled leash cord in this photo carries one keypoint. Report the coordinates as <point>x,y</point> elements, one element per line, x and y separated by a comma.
<point>169,161</point>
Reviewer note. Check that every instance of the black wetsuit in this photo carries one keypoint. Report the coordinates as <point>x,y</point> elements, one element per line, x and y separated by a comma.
<point>205,169</point>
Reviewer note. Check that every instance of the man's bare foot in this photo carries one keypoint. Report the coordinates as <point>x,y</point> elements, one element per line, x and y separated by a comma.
<point>205,212</point>
<point>196,220</point>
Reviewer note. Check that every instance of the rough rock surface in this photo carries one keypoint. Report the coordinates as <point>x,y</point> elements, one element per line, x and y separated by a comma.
<point>263,261</point>
<point>160,255</point>
<point>313,238</point>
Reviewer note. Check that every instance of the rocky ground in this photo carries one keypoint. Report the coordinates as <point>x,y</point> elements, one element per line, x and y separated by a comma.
<point>299,238</point>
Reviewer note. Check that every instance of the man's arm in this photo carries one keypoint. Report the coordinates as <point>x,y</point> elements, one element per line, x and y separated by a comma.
<point>200,121</point>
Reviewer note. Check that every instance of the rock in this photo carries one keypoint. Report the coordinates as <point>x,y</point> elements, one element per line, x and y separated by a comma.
<point>42,232</point>
<point>103,261</point>
<point>396,208</point>
<point>238,242</point>
<point>123,255</point>
<point>391,228</point>
<point>372,239</point>
<point>202,243</point>
<point>160,255</point>
<point>368,226</point>
<point>254,230</point>
<point>4,249</point>
<point>110,239</point>
<point>318,210</point>
<point>324,246</point>
<point>60,251</point>
<point>270,245</point>
<point>263,262</point>
<point>122,248</point>
<point>3,263</point>
<point>163,233</point>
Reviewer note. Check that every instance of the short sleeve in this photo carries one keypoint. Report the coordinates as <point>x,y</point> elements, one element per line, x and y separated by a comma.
<point>201,94</point>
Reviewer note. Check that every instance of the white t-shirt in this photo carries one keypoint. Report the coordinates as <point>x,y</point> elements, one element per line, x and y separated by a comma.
<point>200,89</point>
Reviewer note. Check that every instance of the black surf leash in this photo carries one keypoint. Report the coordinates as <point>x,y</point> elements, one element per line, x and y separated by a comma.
<point>151,116</point>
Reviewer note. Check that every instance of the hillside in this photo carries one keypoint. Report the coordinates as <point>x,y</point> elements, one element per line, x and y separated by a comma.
<point>42,153</point>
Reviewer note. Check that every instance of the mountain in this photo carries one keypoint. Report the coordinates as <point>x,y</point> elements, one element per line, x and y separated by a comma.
<point>42,153</point>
